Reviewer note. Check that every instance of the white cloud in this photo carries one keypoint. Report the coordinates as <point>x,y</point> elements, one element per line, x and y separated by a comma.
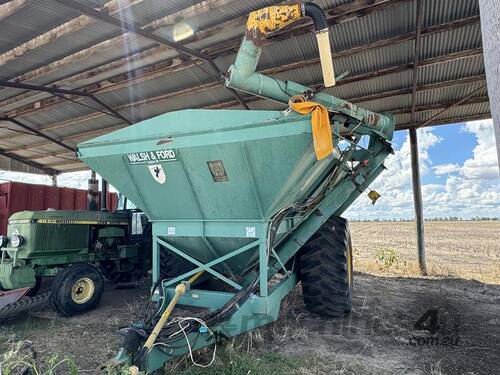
<point>484,163</point>
<point>398,174</point>
<point>25,177</point>
<point>470,189</point>
<point>446,169</point>
<point>78,180</point>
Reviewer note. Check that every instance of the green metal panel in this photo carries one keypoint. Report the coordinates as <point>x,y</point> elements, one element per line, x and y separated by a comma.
<point>21,276</point>
<point>111,232</point>
<point>248,144</point>
<point>267,158</point>
<point>52,233</point>
<point>254,313</point>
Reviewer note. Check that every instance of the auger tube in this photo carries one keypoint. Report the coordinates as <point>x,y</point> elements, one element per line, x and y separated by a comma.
<point>242,74</point>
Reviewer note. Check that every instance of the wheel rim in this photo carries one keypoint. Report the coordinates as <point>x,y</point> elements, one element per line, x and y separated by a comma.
<point>82,290</point>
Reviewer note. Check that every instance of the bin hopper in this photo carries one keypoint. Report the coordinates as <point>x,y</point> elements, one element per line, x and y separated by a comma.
<point>236,194</point>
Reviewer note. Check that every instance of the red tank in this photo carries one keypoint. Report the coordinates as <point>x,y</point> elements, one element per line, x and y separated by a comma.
<point>16,196</point>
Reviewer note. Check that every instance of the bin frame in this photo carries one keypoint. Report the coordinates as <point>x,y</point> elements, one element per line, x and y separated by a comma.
<point>260,308</point>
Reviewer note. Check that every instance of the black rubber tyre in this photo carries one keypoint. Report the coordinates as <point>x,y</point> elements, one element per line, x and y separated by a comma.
<point>172,265</point>
<point>76,289</point>
<point>111,273</point>
<point>325,269</point>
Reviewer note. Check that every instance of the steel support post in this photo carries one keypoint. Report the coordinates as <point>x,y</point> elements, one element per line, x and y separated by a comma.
<point>93,193</point>
<point>417,200</point>
<point>490,23</point>
<point>104,195</point>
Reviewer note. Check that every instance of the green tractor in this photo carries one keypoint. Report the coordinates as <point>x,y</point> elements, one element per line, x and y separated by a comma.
<point>78,250</point>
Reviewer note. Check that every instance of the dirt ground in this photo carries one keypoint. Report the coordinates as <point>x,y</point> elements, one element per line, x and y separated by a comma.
<point>378,337</point>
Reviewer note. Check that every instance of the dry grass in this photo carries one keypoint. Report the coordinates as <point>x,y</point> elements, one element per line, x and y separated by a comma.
<point>463,249</point>
<point>21,359</point>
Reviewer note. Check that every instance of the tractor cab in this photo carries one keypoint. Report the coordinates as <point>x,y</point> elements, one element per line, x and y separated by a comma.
<point>139,225</point>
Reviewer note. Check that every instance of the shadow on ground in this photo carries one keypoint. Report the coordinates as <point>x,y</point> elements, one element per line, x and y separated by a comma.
<point>380,331</point>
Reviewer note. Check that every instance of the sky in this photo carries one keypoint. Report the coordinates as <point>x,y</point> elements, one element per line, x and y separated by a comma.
<point>458,167</point>
<point>459,173</point>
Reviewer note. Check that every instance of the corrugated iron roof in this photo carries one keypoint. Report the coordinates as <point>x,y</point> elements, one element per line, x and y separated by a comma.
<point>372,41</point>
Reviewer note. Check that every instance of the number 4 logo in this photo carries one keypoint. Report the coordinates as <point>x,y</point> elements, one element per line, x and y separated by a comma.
<point>428,322</point>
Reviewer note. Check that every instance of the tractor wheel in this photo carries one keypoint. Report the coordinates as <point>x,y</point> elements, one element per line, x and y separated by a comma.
<point>76,289</point>
<point>172,265</point>
<point>110,270</point>
<point>325,269</point>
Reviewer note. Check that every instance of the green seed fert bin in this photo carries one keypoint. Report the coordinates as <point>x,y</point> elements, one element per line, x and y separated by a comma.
<point>237,194</point>
<point>212,177</point>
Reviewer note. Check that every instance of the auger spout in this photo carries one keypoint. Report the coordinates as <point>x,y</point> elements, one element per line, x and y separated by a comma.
<point>242,74</point>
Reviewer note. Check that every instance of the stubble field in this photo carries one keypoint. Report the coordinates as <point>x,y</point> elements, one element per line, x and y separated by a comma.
<point>464,249</point>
